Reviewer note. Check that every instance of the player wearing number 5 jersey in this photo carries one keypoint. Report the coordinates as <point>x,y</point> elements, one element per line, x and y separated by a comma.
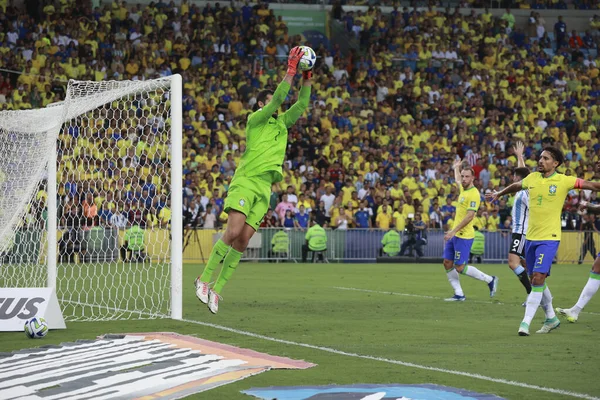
<point>547,192</point>
<point>460,239</point>
<point>248,196</point>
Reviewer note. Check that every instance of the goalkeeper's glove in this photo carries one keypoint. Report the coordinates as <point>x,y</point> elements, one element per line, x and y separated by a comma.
<point>306,75</point>
<point>294,58</point>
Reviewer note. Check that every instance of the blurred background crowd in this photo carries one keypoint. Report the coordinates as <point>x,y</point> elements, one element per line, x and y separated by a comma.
<point>385,123</point>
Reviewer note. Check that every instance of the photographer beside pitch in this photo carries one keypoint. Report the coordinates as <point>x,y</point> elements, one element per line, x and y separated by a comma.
<point>260,166</point>
<point>416,236</point>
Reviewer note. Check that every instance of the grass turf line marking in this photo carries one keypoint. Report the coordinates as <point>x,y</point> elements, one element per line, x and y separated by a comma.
<point>429,297</point>
<point>422,296</point>
<point>397,362</point>
<point>373,358</point>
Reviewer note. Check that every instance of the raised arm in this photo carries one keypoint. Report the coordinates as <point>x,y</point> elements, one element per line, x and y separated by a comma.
<point>519,150</point>
<point>457,177</point>
<point>262,115</point>
<point>587,185</point>
<point>291,116</point>
<point>510,189</point>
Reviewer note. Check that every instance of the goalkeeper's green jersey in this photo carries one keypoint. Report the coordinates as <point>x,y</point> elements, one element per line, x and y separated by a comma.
<point>266,137</point>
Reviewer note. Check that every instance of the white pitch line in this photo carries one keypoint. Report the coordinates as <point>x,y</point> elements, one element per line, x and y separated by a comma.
<point>397,362</point>
<point>427,297</point>
<point>381,359</point>
<point>422,296</point>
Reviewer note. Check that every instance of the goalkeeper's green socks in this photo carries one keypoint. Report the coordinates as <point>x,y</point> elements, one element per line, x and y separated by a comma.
<point>217,255</point>
<point>230,263</point>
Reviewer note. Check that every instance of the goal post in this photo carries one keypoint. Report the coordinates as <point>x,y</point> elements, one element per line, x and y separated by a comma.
<point>91,199</point>
<point>176,198</point>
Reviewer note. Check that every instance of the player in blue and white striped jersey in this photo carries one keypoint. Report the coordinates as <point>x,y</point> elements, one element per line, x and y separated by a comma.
<point>520,220</point>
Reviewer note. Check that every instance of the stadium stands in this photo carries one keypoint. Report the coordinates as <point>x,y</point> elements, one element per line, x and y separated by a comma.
<point>385,122</point>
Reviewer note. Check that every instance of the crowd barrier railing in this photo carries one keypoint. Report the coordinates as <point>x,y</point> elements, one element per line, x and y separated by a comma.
<point>363,245</point>
<point>352,245</point>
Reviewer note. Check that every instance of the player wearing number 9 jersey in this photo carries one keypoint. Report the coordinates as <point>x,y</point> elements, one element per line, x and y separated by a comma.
<point>247,199</point>
<point>520,221</point>
<point>547,193</point>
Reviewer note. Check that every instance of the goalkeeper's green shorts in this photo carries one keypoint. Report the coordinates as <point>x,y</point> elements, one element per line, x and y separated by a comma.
<point>250,196</point>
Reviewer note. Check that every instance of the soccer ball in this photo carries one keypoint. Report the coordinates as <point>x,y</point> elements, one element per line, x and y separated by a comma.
<point>36,328</point>
<point>308,60</point>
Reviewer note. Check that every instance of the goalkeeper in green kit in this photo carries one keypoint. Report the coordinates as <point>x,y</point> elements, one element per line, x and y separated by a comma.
<point>248,196</point>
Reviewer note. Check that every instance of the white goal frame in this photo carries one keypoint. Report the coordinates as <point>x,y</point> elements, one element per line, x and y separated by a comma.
<point>176,227</point>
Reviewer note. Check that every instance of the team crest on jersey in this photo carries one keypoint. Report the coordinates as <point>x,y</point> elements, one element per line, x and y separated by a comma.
<point>552,190</point>
<point>242,202</point>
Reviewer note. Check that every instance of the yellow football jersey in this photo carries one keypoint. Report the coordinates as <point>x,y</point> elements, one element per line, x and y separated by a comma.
<point>468,200</point>
<point>546,199</point>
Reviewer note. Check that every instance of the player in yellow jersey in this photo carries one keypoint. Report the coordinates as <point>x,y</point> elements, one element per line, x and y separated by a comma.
<point>459,240</point>
<point>547,192</point>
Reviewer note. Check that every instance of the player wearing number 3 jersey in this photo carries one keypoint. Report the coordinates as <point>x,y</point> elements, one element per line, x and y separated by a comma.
<point>248,196</point>
<point>547,192</point>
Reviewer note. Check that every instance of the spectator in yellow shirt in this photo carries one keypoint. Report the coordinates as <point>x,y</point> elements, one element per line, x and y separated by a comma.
<point>480,220</point>
<point>493,221</point>
<point>384,218</point>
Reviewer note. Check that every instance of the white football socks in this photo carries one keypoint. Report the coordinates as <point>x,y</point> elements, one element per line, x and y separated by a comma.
<point>454,281</point>
<point>547,303</point>
<point>473,272</point>
<point>589,290</point>
<point>533,302</point>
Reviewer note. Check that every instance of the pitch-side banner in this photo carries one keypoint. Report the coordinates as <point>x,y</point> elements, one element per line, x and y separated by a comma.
<point>312,25</point>
<point>143,366</point>
<point>17,305</point>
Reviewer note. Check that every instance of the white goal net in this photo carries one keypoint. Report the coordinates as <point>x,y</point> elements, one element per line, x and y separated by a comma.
<point>90,199</point>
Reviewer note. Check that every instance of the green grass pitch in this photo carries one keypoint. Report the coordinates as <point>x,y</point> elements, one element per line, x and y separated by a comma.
<point>375,316</point>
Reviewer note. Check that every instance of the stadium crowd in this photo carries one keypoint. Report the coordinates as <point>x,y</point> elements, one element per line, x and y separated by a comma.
<point>385,122</point>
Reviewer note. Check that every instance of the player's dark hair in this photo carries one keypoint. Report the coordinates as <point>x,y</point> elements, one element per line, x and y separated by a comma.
<point>556,154</point>
<point>522,172</point>
<point>261,97</point>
